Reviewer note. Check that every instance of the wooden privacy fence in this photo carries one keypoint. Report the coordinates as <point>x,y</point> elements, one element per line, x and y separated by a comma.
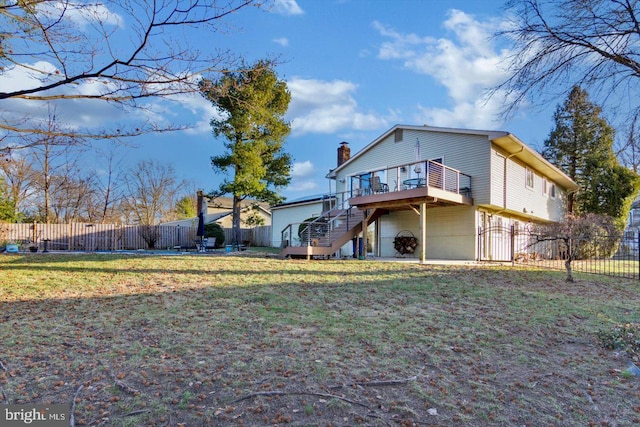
<point>113,237</point>
<point>257,236</point>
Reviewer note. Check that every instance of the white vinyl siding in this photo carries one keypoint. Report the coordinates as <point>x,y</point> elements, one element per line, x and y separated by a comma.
<point>530,201</point>
<point>451,232</point>
<point>281,217</point>
<point>497,179</point>
<point>456,226</point>
<point>468,154</point>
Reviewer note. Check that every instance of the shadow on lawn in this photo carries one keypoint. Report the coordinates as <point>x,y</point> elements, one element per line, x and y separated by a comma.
<point>418,344</point>
<point>355,268</point>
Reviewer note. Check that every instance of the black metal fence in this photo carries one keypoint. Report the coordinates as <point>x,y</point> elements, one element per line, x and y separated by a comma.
<point>617,256</point>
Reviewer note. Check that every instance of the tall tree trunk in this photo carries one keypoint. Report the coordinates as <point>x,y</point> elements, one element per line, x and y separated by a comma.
<point>235,241</point>
<point>567,263</point>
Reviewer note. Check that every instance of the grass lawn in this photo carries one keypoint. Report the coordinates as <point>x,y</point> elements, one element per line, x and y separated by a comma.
<point>250,340</point>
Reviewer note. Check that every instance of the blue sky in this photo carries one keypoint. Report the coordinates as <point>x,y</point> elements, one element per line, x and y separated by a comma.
<point>354,68</point>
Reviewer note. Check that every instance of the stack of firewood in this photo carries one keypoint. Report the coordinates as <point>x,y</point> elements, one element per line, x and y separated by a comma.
<point>405,244</point>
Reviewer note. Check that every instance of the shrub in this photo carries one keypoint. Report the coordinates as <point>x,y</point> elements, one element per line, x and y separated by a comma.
<point>150,234</point>
<point>623,337</point>
<point>215,230</point>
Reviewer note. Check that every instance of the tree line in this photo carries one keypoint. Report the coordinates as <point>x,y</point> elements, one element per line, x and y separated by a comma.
<point>51,182</point>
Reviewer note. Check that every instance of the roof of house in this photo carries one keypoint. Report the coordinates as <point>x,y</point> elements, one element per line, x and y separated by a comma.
<point>227,203</point>
<point>508,142</point>
<point>304,200</point>
<point>208,218</point>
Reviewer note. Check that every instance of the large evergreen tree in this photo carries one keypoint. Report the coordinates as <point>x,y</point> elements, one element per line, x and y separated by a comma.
<point>581,144</point>
<point>186,207</point>
<point>252,104</point>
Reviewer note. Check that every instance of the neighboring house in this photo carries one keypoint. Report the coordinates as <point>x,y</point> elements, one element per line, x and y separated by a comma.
<point>454,190</point>
<point>221,205</point>
<point>220,209</point>
<point>303,209</point>
<point>632,230</point>
<point>193,222</point>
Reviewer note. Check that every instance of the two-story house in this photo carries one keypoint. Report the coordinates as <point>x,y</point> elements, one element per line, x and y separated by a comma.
<point>449,193</point>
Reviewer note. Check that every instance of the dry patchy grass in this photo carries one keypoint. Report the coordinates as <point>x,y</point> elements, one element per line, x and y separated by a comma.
<point>222,340</point>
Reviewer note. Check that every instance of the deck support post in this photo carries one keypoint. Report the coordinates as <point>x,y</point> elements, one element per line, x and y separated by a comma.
<point>423,232</point>
<point>363,255</point>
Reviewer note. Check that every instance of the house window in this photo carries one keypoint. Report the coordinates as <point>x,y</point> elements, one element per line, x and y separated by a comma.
<point>328,204</point>
<point>397,135</point>
<point>545,187</point>
<point>529,178</point>
<point>552,191</point>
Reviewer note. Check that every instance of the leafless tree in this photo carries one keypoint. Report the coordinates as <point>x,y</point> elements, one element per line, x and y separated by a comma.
<point>109,182</point>
<point>558,44</point>
<point>581,236</point>
<point>117,52</point>
<point>151,192</point>
<point>53,158</point>
<point>71,195</point>
<point>629,150</point>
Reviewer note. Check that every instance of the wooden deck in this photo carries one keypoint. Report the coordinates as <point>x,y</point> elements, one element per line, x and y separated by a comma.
<point>408,199</point>
<point>375,205</point>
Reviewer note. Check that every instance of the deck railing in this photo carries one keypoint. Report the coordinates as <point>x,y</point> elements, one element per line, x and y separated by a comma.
<point>411,175</point>
<point>319,232</point>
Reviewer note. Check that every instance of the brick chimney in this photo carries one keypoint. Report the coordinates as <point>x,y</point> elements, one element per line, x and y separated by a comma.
<point>344,152</point>
<point>199,202</point>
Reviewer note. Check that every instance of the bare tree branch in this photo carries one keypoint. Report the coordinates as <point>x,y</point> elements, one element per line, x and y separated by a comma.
<point>116,51</point>
<point>559,44</point>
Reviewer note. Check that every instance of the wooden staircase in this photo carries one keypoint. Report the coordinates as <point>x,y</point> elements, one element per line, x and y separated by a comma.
<point>329,232</point>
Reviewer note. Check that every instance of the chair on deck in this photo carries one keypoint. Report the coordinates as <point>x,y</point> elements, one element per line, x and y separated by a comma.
<point>377,186</point>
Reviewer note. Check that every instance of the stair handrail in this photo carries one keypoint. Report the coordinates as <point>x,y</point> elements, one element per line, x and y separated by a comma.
<point>328,217</point>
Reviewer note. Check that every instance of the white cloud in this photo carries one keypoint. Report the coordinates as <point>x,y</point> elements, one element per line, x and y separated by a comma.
<point>194,105</point>
<point>477,114</point>
<point>71,114</point>
<point>82,15</point>
<point>303,186</point>
<point>288,7</point>
<point>468,64</point>
<point>283,41</point>
<point>26,76</point>
<point>188,108</point>
<point>325,107</point>
<point>302,169</point>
